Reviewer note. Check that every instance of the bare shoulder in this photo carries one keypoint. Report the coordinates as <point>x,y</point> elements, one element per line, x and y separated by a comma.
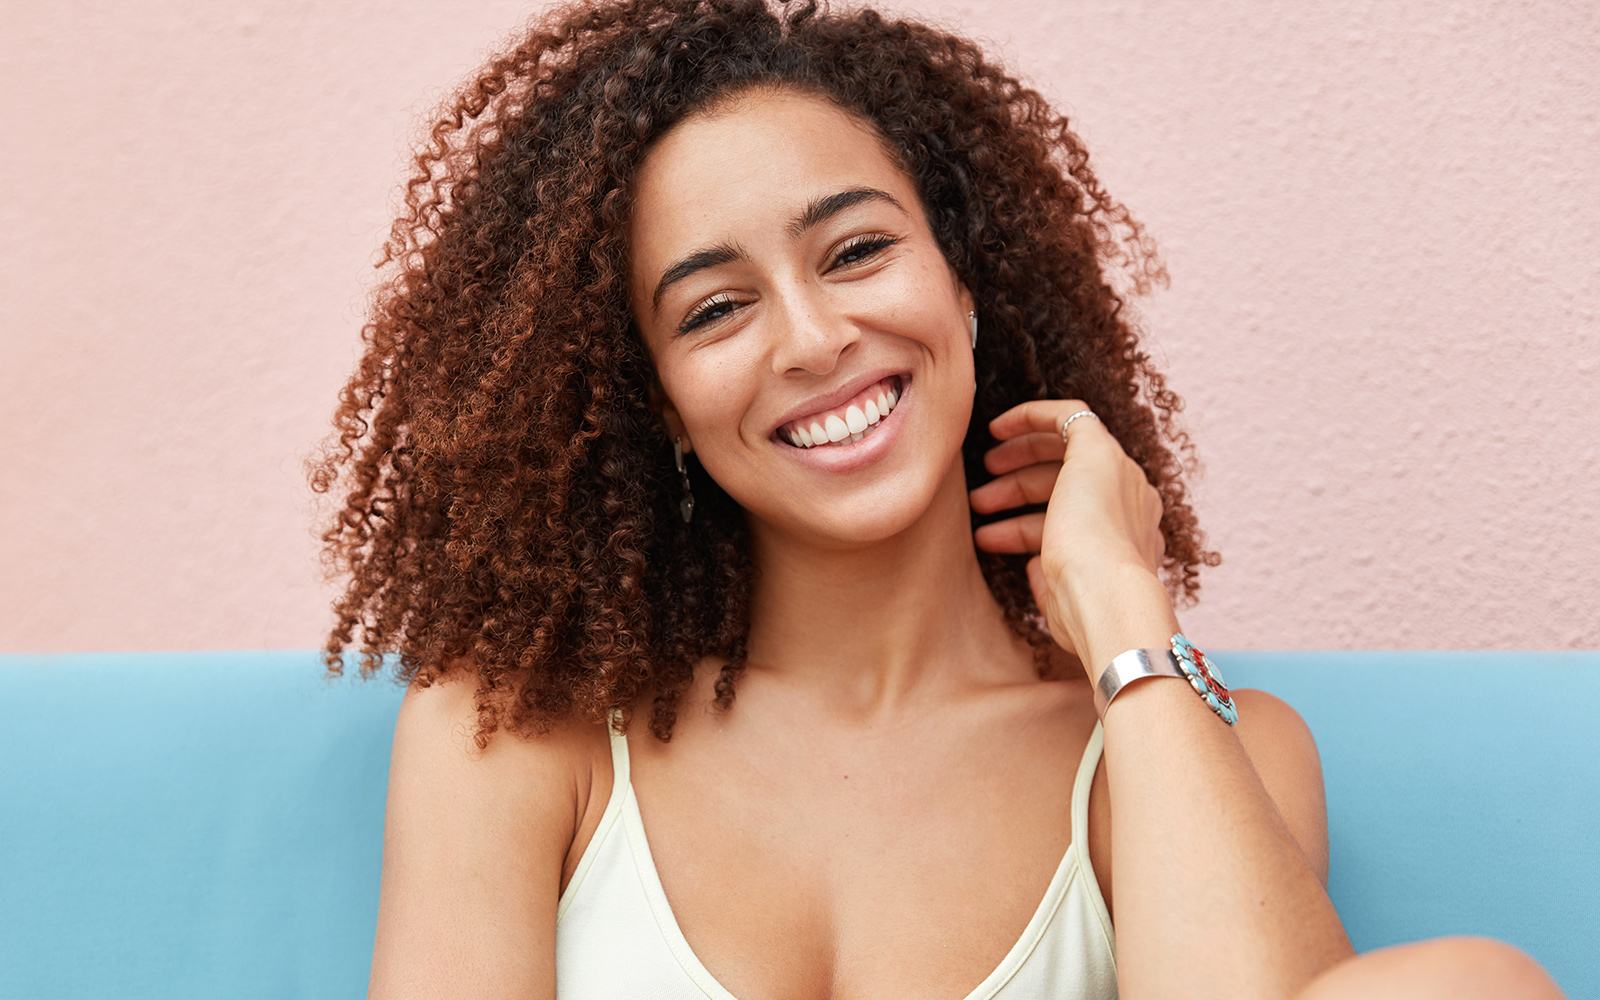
<point>1284,755</point>
<point>512,784</point>
<point>436,727</point>
<point>474,847</point>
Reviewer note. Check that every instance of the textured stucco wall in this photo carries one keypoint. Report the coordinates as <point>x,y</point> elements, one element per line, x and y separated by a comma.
<point>1380,220</point>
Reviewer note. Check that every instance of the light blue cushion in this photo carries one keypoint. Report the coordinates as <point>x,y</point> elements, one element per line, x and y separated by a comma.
<point>1463,794</point>
<point>193,825</point>
<point>210,824</point>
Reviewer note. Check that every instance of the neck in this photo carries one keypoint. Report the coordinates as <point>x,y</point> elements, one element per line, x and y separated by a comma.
<point>880,626</point>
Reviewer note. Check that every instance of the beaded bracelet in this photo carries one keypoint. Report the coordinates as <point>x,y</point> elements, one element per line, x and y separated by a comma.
<point>1205,678</point>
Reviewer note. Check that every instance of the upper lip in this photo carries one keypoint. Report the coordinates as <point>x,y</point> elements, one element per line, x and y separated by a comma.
<point>838,397</point>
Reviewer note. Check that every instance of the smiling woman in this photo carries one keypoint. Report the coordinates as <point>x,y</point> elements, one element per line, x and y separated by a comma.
<point>833,313</point>
<point>732,349</point>
<point>513,490</point>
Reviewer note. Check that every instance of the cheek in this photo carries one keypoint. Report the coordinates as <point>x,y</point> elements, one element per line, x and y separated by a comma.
<point>922,308</point>
<point>712,389</point>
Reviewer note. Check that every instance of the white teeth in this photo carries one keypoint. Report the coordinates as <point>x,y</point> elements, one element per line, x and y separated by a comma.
<point>852,427</point>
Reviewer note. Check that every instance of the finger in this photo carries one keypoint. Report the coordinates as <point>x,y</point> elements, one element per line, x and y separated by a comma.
<point>1041,599</point>
<point>1040,416</point>
<point>1032,484</point>
<point>1026,449</point>
<point>1036,581</point>
<point>1023,533</point>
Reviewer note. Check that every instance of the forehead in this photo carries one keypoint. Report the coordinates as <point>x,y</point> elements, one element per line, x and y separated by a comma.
<point>750,165</point>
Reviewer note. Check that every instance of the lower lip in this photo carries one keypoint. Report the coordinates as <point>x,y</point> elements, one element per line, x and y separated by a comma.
<point>850,457</point>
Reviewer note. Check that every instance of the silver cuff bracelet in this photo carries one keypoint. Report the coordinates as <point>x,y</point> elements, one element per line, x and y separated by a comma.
<point>1134,665</point>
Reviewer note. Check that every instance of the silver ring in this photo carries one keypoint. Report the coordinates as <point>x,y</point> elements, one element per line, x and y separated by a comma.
<point>1068,422</point>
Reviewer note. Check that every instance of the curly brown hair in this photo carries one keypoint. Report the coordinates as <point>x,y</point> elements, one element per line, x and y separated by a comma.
<point>511,503</point>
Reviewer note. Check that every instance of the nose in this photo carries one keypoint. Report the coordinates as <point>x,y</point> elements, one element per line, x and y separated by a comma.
<point>808,335</point>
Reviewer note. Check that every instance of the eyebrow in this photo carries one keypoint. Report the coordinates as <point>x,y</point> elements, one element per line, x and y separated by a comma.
<point>818,211</point>
<point>716,256</point>
<point>822,209</point>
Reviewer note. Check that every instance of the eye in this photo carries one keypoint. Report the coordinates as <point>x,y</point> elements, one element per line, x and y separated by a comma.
<point>712,309</point>
<point>863,248</point>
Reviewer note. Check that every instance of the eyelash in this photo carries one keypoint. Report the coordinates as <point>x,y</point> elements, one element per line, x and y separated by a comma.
<point>870,246</point>
<point>702,314</point>
<point>873,244</point>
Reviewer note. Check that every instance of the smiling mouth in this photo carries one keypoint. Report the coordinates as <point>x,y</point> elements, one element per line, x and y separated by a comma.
<point>848,423</point>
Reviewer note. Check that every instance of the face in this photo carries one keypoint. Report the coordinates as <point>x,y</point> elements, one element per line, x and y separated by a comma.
<point>812,343</point>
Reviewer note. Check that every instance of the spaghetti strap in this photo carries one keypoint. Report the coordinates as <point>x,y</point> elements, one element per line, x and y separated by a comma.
<point>620,787</point>
<point>1080,784</point>
<point>1080,830</point>
<point>619,756</point>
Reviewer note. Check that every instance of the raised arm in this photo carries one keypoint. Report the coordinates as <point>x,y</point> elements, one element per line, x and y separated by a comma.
<point>473,850</point>
<point>1219,892</point>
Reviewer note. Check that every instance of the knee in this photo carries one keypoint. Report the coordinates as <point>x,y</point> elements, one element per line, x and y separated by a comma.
<point>1458,968</point>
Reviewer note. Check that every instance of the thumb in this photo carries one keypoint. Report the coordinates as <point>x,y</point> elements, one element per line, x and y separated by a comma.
<point>1041,597</point>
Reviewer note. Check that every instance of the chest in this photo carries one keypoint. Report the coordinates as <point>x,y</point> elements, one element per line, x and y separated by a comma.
<point>842,869</point>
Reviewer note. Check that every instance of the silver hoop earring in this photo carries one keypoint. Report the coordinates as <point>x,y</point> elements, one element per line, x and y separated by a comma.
<point>686,505</point>
<point>972,318</point>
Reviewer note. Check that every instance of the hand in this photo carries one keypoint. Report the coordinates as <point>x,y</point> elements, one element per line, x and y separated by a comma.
<point>1098,542</point>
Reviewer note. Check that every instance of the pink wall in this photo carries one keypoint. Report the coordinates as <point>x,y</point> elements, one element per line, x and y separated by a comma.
<point>1381,222</point>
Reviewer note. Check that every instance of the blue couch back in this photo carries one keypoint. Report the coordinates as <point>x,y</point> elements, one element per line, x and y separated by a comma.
<point>210,824</point>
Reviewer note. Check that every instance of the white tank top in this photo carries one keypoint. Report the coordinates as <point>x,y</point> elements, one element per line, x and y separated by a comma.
<point>616,937</point>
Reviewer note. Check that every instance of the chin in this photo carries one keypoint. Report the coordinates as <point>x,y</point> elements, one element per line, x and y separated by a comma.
<point>862,518</point>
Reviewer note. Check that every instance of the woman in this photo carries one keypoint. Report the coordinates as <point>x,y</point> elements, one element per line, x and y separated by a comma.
<point>754,374</point>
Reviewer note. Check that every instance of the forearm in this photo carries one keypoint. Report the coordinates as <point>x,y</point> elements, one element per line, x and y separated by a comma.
<point>1214,897</point>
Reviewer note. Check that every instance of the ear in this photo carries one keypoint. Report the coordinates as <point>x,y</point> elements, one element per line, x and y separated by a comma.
<point>964,296</point>
<point>969,308</point>
<point>968,304</point>
<point>669,415</point>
